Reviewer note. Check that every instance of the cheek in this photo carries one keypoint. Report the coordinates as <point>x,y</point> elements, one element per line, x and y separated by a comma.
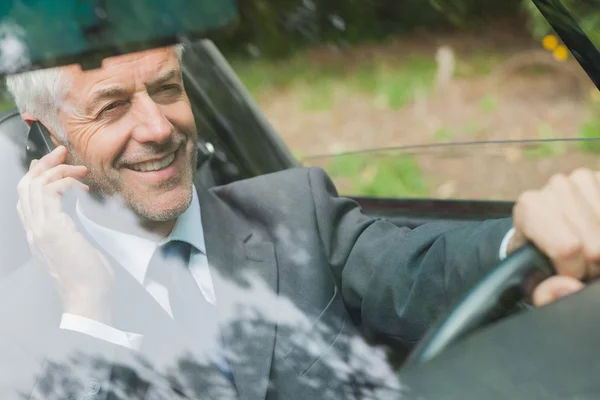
<point>181,116</point>
<point>100,144</point>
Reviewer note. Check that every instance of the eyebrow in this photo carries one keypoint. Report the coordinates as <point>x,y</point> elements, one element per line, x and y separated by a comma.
<point>104,94</point>
<point>112,92</point>
<point>166,77</point>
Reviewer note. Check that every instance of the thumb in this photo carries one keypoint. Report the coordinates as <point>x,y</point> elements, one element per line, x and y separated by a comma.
<point>554,288</point>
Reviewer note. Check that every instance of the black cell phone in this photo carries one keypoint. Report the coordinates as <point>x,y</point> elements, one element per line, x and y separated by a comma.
<point>38,141</point>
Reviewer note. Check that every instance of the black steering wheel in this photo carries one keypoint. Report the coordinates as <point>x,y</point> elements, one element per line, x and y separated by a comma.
<point>501,288</point>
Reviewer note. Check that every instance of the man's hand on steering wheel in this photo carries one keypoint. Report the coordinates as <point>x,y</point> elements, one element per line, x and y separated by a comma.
<point>563,221</point>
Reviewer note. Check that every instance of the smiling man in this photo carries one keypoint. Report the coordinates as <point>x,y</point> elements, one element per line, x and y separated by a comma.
<point>135,132</point>
<point>275,279</point>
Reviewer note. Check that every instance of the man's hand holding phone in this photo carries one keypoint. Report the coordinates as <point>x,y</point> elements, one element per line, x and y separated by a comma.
<point>83,276</point>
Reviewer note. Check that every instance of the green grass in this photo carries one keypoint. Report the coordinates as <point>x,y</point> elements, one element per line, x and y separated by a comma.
<point>394,86</point>
<point>391,85</point>
<point>317,97</point>
<point>477,64</point>
<point>488,104</point>
<point>473,128</point>
<point>448,134</point>
<point>545,149</point>
<point>590,129</point>
<point>379,175</point>
<point>260,75</point>
<point>443,134</point>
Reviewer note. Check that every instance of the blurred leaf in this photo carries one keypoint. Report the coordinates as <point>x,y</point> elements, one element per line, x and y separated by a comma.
<point>545,149</point>
<point>590,129</point>
<point>380,175</point>
<point>488,103</point>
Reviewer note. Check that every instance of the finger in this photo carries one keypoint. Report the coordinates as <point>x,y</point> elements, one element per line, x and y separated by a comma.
<point>28,230</point>
<point>582,218</point>
<point>63,171</point>
<point>555,288</point>
<point>52,159</point>
<point>36,167</point>
<point>22,217</point>
<point>568,256</point>
<point>539,217</point>
<point>588,186</point>
<point>23,202</point>
<point>53,193</point>
<point>36,192</point>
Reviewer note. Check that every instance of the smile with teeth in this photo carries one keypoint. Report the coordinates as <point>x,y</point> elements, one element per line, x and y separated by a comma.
<point>153,165</point>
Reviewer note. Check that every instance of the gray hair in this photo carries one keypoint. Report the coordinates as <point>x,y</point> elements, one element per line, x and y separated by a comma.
<point>40,93</point>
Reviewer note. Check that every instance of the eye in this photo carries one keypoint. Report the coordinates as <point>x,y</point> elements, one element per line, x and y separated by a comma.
<point>166,94</point>
<point>171,87</point>
<point>113,106</point>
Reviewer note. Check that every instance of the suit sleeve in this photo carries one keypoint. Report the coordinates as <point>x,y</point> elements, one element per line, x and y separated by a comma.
<point>396,281</point>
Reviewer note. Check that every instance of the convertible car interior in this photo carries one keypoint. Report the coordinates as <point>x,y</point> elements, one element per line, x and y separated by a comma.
<point>494,359</point>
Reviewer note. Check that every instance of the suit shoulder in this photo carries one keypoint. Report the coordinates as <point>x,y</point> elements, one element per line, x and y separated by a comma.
<point>293,180</point>
<point>275,194</point>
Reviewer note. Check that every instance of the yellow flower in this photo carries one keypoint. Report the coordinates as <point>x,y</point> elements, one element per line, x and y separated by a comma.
<point>560,53</point>
<point>550,42</point>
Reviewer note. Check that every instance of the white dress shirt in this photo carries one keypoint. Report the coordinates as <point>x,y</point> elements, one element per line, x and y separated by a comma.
<point>134,254</point>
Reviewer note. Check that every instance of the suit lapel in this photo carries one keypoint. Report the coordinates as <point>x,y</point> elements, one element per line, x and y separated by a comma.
<point>244,272</point>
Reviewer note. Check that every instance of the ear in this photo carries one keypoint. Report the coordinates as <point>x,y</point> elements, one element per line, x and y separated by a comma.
<point>28,118</point>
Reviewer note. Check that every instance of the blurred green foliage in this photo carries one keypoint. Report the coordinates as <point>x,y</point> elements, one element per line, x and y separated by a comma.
<point>547,147</point>
<point>380,175</point>
<point>444,134</point>
<point>586,14</point>
<point>389,84</point>
<point>488,103</point>
<point>395,86</point>
<point>590,129</point>
<point>6,101</point>
<point>269,28</point>
<point>6,105</point>
<point>480,63</point>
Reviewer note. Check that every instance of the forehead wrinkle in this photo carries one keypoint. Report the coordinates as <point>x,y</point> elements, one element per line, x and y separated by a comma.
<point>120,67</point>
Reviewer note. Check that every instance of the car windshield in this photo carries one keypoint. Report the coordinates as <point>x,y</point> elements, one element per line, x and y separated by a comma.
<point>196,230</point>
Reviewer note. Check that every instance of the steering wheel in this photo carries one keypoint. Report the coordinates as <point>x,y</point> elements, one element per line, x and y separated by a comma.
<point>502,287</point>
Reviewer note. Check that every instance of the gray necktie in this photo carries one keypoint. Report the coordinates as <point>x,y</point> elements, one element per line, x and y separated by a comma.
<point>191,311</point>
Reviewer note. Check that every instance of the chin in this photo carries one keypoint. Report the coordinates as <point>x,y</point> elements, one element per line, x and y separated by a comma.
<point>165,206</point>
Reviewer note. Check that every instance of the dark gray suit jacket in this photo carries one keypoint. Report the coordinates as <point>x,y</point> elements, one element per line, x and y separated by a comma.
<point>306,287</point>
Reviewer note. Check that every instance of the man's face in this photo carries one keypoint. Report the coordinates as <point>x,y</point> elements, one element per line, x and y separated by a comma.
<point>130,122</point>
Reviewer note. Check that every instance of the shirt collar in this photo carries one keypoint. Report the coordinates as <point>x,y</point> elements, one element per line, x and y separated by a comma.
<point>188,227</point>
<point>134,252</point>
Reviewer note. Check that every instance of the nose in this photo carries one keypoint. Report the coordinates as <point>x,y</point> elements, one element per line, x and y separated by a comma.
<point>153,125</point>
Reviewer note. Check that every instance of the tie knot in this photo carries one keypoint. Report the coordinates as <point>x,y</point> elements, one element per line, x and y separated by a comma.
<point>167,258</point>
<point>175,248</point>
<point>176,245</point>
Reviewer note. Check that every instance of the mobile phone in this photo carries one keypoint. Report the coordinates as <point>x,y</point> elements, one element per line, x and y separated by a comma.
<point>39,142</point>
